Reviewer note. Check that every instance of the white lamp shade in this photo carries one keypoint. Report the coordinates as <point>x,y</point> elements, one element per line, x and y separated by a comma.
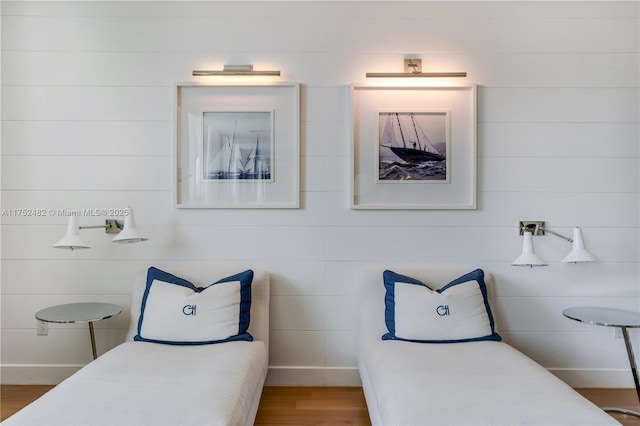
<point>129,233</point>
<point>528,256</point>
<point>578,253</point>
<point>72,240</point>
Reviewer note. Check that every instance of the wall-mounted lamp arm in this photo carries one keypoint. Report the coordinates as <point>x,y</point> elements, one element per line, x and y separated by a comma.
<point>93,227</point>
<point>537,227</point>
<point>556,234</point>
<point>111,226</point>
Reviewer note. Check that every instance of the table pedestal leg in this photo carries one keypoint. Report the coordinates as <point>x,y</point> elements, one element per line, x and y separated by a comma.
<point>634,371</point>
<point>632,360</point>
<point>93,340</point>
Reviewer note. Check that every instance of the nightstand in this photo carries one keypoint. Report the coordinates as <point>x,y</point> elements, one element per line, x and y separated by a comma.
<point>80,312</point>
<point>609,317</point>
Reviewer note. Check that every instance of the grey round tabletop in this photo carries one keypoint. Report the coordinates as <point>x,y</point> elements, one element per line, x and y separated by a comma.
<point>609,317</point>
<point>78,312</point>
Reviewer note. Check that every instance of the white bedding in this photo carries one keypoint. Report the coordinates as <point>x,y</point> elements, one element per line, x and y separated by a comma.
<point>472,383</point>
<point>140,383</point>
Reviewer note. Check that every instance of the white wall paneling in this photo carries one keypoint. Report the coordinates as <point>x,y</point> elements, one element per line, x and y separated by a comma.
<point>87,111</point>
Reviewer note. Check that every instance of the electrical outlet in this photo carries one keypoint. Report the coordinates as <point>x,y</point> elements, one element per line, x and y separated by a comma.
<point>42,328</point>
<point>617,333</point>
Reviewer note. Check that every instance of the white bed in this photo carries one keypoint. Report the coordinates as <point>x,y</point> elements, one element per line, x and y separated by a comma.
<point>466,383</point>
<point>143,383</point>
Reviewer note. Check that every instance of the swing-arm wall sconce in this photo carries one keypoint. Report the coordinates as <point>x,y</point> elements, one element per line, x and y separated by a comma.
<point>126,232</point>
<point>528,257</point>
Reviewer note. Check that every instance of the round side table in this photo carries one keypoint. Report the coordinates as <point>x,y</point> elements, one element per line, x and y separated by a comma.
<point>610,317</point>
<point>80,312</point>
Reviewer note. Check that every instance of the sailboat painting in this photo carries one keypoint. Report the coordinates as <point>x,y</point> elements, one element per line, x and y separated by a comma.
<point>413,146</point>
<point>237,145</point>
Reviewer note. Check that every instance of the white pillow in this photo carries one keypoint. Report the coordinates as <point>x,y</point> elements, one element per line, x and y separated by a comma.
<point>174,311</point>
<point>458,312</point>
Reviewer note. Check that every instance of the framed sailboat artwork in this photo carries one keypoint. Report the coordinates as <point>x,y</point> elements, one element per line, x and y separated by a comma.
<point>237,145</point>
<point>413,147</point>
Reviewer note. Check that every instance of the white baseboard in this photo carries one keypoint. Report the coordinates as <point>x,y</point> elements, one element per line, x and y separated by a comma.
<point>26,374</point>
<point>313,376</point>
<point>18,374</point>
<point>277,376</point>
<point>320,376</point>
<point>595,378</point>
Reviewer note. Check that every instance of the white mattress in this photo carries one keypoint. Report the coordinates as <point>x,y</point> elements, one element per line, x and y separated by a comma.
<point>473,383</point>
<point>139,383</point>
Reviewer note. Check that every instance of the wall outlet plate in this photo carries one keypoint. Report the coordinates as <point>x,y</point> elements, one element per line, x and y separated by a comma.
<point>42,328</point>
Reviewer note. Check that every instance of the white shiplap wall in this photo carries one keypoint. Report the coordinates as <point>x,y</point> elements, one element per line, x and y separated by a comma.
<point>86,123</point>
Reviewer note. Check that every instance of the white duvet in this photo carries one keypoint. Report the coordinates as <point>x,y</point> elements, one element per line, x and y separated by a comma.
<point>139,383</point>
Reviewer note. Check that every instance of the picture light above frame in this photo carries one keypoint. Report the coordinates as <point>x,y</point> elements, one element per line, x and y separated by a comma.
<point>236,70</point>
<point>413,68</point>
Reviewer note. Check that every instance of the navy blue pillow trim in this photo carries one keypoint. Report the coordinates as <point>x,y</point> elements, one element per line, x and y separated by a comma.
<point>493,336</point>
<point>246,280</point>
<point>240,337</point>
<point>390,279</point>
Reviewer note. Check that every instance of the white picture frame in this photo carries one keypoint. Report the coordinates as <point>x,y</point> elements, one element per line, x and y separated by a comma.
<point>401,171</point>
<point>253,129</point>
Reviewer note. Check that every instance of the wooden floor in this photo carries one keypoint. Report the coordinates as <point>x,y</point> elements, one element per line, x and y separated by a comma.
<point>320,406</point>
<point>623,398</point>
<point>312,406</point>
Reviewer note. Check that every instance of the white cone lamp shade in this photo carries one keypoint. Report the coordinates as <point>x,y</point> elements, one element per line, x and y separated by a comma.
<point>578,253</point>
<point>528,256</point>
<point>129,233</point>
<point>72,240</point>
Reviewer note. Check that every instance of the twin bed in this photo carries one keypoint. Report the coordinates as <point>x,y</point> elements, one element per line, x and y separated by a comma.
<point>465,374</point>
<point>426,357</point>
<point>142,382</point>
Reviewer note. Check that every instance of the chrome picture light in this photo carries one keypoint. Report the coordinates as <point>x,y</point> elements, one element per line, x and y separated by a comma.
<point>125,232</point>
<point>237,70</point>
<point>413,68</point>
<point>528,229</point>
